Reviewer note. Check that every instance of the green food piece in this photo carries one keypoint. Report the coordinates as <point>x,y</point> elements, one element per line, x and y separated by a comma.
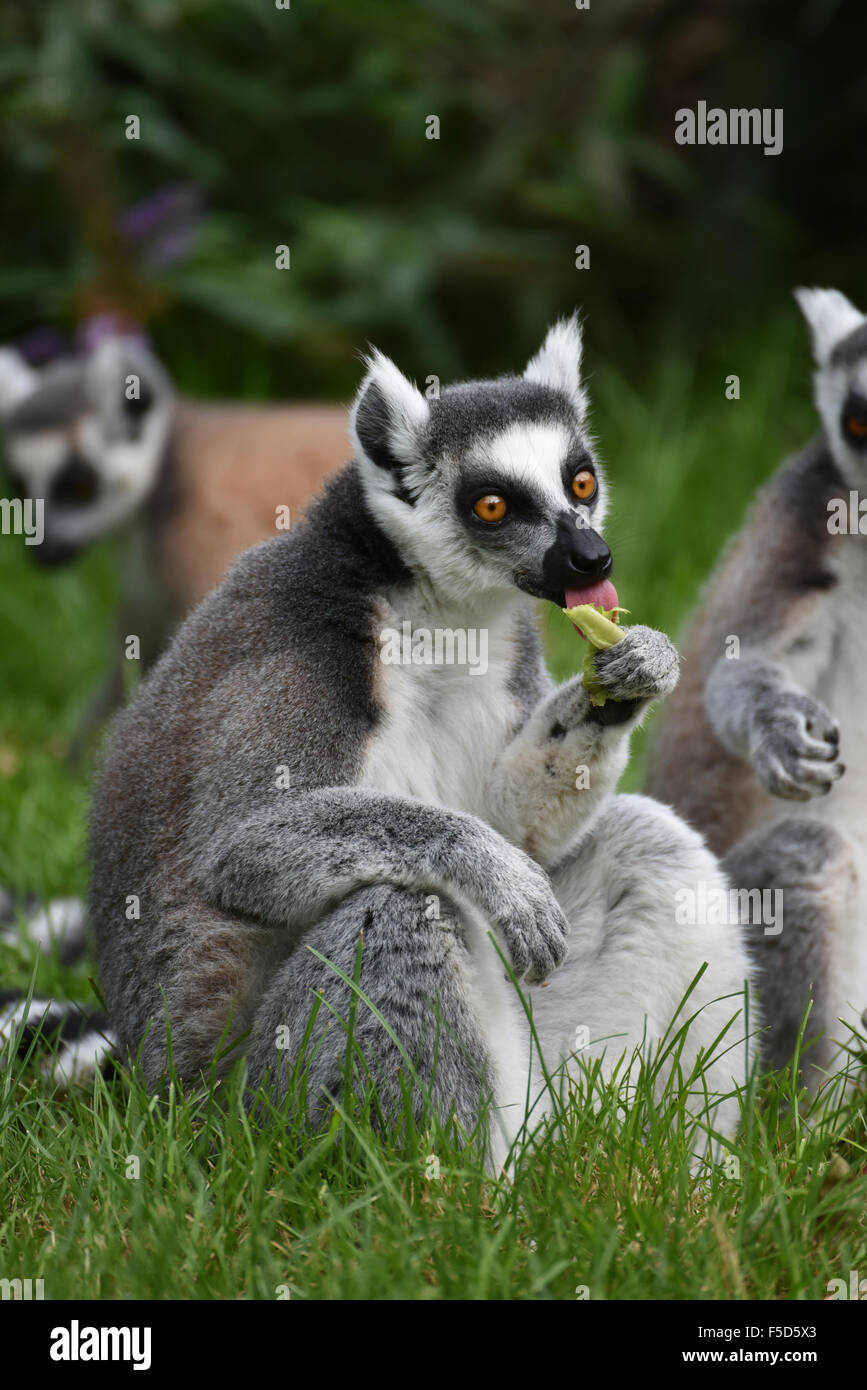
<point>602,631</point>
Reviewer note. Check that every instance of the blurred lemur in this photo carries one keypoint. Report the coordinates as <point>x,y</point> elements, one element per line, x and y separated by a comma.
<point>105,442</point>
<point>277,790</point>
<point>774,667</point>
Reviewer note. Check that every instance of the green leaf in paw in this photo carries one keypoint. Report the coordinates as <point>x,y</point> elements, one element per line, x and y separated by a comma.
<point>601,629</point>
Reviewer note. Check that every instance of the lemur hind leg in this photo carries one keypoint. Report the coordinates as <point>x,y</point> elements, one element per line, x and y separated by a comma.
<point>632,958</point>
<point>420,975</point>
<point>814,867</point>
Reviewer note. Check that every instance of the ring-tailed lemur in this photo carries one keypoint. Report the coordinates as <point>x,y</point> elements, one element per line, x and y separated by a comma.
<point>775,667</point>
<point>277,789</point>
<point>105,442</point>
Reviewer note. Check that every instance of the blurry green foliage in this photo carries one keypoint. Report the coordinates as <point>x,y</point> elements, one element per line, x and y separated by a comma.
<point>306,126</point>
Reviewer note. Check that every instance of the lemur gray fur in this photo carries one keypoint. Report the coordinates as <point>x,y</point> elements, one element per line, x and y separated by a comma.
<point>755,733</point>
<point>276,789</point>
<point>108,445</point>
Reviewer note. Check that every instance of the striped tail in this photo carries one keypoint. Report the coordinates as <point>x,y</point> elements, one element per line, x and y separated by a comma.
<point>80,1040</point>
<point>60,923</point>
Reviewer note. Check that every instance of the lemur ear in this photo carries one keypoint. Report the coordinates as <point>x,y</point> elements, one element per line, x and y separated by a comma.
<point>17,380</point>
<point>558,362</point>
<point>125,382</point>
<point>831,317</point>
<point>387,418</point>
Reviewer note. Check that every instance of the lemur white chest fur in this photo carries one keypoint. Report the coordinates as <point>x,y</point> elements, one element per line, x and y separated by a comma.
<point>843,688</point>
<point>836,674</point>
<point>831,664</point>
<point>445,721</point>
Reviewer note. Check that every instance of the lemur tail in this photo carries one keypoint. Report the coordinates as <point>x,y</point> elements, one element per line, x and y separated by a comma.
<point>61,922</point>
<point>80,1040</point>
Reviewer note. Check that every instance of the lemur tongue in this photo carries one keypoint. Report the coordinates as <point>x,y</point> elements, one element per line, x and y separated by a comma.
<point>602,593</point>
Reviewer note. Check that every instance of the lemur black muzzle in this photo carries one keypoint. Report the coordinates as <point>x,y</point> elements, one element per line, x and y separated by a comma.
<point>578,557</point>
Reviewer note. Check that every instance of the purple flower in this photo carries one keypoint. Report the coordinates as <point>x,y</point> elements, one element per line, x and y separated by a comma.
<point>43,344</point>
<point>98,327</point>
<point>163,226</point>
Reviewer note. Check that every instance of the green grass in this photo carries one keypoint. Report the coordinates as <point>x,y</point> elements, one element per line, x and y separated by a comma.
<point>222,1210</point>
<point>115,1193</point>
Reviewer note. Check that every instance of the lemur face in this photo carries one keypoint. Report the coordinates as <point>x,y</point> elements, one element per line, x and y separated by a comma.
<point>492,486</point>
<point>86,436</point>
<point>839,332</point>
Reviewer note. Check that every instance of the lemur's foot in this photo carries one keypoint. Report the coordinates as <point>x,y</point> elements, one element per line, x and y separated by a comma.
<point>571,711</point>
<point>643,666</point>
<point>795,747</point>
<point>613,712</point>
<point>567,709</point>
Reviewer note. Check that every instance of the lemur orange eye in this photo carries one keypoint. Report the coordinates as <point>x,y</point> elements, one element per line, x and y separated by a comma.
<point>857,425</point>
<point>584,484</point>
<point>490,508</point>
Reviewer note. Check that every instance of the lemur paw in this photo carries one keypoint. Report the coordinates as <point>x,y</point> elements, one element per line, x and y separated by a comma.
<point>531,922</point>
<point>795,747</point>
<point>642,666</point>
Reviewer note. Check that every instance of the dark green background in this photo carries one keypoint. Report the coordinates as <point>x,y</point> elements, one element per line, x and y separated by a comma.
<point>307,127</point>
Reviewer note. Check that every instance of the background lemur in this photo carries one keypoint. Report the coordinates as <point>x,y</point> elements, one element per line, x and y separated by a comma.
<point>752,736</point>
<point>276,786</point>
<point>105,441</point>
